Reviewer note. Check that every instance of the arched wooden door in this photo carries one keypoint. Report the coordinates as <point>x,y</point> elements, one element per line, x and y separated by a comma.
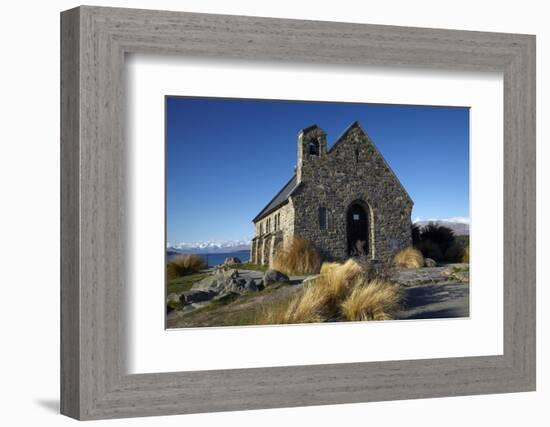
<point>357,230</point>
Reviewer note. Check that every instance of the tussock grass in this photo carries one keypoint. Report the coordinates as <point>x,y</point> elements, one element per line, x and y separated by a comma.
<point>409,258</point>
<point>341,292</point>
<point>184,264</point>
<point>297,256</point>
<point>466,254</point>
<point>377,300</point>
<point>172,271</point>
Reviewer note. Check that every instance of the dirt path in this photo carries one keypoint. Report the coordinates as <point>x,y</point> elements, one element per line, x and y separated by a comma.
<point>434,293</point>
<point>436,301</point>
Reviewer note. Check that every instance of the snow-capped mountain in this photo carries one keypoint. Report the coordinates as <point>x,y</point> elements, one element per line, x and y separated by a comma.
<point>210,247</point>
<point>460,225</point>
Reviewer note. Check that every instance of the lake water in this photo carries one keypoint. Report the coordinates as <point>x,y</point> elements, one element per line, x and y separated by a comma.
<point>215,259</point>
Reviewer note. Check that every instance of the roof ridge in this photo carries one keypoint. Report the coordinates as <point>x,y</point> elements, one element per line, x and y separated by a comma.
<point>344,132</point>
<point>357,124</point>
<point>266,208</point>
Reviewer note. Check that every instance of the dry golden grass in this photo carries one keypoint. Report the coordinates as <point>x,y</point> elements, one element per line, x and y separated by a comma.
<point>319,300</point>
<point>342,291</point>
<point>377,300</point>
<point>184,264</point>
<point>327,266</point>
<point>172,271</point>
<point>305,307</point>
<point>297,256</point>
<point>466,254</point>
<point>409,258</point>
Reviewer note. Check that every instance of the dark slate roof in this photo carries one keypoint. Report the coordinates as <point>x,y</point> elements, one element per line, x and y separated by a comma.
<point>280,198</point>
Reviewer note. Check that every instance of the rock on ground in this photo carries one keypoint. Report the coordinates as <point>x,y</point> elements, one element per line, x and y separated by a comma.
<point>428,262</point>
<point>173,298</point>
<point>226,280</point>
<point>273,276</point>
<point>194,296</point>
<point>232,261</point>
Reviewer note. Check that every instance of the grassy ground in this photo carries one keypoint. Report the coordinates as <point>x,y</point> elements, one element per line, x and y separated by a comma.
<point>184,283</point>
<point>460,268</point>
<point>341,292</point>
<point>235,310</point>
<point>250,266</point>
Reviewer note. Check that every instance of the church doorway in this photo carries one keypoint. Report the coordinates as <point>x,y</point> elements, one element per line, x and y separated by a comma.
<point>357,229</point>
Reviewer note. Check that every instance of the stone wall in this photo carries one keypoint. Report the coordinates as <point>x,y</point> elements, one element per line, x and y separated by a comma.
<point>353,170</point>
<point>264,245</point>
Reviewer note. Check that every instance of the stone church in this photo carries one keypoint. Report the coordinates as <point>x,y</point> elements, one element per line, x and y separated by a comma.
<point>345,200</point>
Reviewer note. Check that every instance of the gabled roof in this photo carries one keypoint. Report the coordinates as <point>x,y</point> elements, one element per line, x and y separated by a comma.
<point>280,198</point>
<point>357,125</point>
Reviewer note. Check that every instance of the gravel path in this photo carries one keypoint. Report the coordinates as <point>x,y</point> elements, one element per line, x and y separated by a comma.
<point>436,301</point>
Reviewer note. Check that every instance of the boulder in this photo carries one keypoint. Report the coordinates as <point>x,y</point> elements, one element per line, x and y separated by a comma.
<point>232,261</point>
<point>273,276</point>
<point>462,276</point>
<point>225,272</point>
<point>235,285</point>
<point>194,296</point>
<point>172,298</point>
<point>250,285</point>
<point>208,283</point>
<point>428,262</point>
<point>232,273</point>
<point>219,268</point>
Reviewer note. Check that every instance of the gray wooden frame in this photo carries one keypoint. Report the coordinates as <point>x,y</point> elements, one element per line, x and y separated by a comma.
<point>94,382</point>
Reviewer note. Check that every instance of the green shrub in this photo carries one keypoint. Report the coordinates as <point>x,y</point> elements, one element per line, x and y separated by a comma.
<point>454,252</point>
<point>430,250</point>
<point>440,235</point>
<point>415,234</point>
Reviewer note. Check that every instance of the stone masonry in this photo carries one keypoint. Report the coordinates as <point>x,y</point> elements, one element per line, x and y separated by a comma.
<point>345,200</point>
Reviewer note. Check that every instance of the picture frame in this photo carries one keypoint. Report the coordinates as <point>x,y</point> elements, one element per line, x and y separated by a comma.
<point>94,379</point>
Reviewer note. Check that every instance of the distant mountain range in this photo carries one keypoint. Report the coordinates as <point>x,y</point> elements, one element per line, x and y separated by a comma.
<point>209,247</point>
<point>461,226</point>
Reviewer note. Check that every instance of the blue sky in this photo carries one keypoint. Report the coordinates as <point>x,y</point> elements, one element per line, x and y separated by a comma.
<point>226,158</point>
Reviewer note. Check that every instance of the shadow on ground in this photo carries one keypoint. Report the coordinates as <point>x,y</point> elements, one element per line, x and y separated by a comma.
<point>436,301</point>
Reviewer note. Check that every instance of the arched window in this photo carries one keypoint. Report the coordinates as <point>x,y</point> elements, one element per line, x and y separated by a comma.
<point>313,147</point>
